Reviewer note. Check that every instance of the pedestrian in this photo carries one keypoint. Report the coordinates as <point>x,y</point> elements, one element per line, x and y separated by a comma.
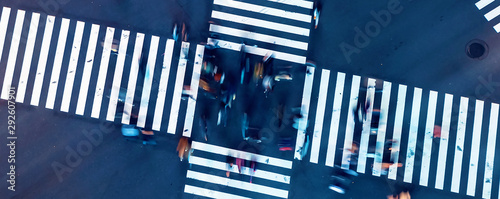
<point>229,164</point>
<point>342,178</point>
<point>253,168</point>
<point>240,162</point>
<point>183,148</point>
<point>204,127</point>
<point>148,137</point>
<point>268,84</point>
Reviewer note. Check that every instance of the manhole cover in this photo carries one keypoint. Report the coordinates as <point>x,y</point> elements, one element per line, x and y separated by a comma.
<point>477,49</point>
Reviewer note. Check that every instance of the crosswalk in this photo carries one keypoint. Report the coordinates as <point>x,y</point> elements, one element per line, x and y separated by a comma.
<point>58,63</point>
<point>459,157</point>
<point>492,13</point>
<point>278,26</point>
<point>207,174</point>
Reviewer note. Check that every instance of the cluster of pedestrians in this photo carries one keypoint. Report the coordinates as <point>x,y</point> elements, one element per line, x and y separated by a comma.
<point>241,164</point>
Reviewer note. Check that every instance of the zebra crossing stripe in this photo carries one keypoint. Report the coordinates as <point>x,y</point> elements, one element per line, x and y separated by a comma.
<point>459,144</point>
<point>412,138</point>
<point>258,37</point>
<point>195,82</point>
<point>320,115</point>
<point>117,78</point>
<point>132,80</point>
<point>334,125</point>
<point>382,126</point>
<point>28,55</point>
<point>474,154</point>
<point>443,142</point>
<point>73,61</point>
<point>148,81</point>
<point>492,14</point>
<point>56,69</point>
<point>103,69</point>
<point>304,111</point>
<point>162,88</point>
<point>210,193</point>
<point>264,10</point>
<point>483,3</point>
<point>179,83</point>
<point>490,151</point>
<point>365,133</point>
<point>299,3</point>
<point>429,133</point>
<point>42,61</point>
<point>237,184</point>
<point>497,27</point>
<point>14,48</point>
<point>349,129</point>
<point>260,23</point>
<point>398,127</point>
<point>4,21</point>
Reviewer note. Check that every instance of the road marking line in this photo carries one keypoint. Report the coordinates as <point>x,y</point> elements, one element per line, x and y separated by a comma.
<point>264,10</point>
<point>242,154</point>
<point>382,126</point>
<point>412,138</point>
<point>334,124</point>
<point>42,61</point>
<point>195,82</point>
<point>474,154</point>
<point>497,27</point>
<point>179,83</point>
<point>398,127</point>
<point>300,3</point>
<point>148,81</point>
<point>244,170</point>
<point>117,78</point>
<point>132,78</point>
<point>349,129</point>
<point>162,88</point>
<point>237,184</point>
<point>483,3</point>
<point>492,14</point>
<point>70,75</point>
<point>56,69</point>
<point>14,48</point>
<point>28,56</point>
<point>103,70</point>
<point>260,23</point>
<point>320,115</point>
<point>443,143</point>
<point>258,37</point>
<point>210,193</point>
<point>459,144</point>
<point>429,134</point>
<point>365,133</point>
<point>490,151</point>
<point>304,111</point>
<point>4,21</point>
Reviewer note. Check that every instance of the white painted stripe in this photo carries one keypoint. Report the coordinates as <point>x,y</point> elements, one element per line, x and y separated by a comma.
<point>443,143</point>
<point>56,68</point>
<point>367,123</point>
<point>492,14</point>
<point>195,81</point>
<point>490,151</point>
<point>87,70</point>
<point>4,21</point>
<point>241,154</point>
<point>320,115</point>
<point>42,61</point>
<point>14,48</point>
<point>497,29</point>
<point>258,37</point>
<point>244,170</point>
<point>73,61</point>
<point>162,88</point>
<point>132,79</point>
<point>459,145</point>
<point>304,111</point>
<point>398,127</point>
<point>148,81</point>
<point>28,55</point>
<point>349,129</point>
<point>429,134</point>
<point>179,83</point>
<point>264,10</point>
<point>382,126</point>
<point>237,184</point>
<point>210,193</point>
<point>300,3</point>
<point>334,124</point>
<point>117,78</point>
<point>259,51</point>
<point>483,3</point>
<point>412,138</point>
<point>260,23</point>
<point>474,154</point>
<point>103,70</point>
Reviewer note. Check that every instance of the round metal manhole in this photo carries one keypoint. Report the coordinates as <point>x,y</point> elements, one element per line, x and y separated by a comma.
<point>477,49</point>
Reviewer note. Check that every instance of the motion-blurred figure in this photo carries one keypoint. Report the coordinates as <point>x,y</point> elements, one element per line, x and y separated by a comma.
<point>184,148</point>
<point>342,178</point>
